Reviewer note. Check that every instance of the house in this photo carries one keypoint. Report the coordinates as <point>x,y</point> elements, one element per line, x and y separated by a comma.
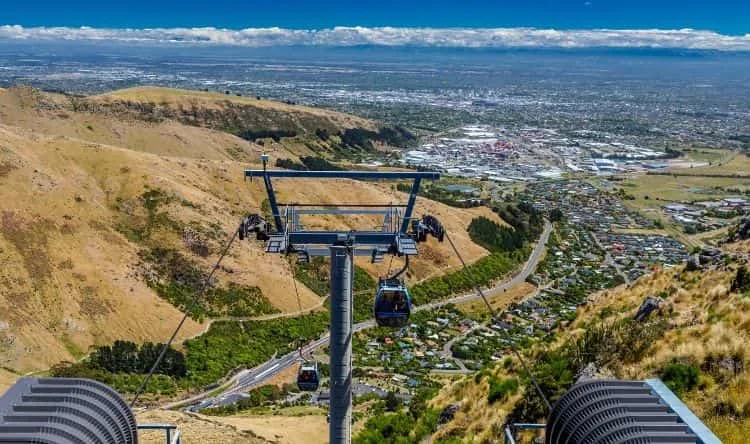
<point>734,202</point>
<point>403,345</point>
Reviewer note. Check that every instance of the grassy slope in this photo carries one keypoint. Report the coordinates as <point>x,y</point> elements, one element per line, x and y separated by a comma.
<point>70,280</point>
<point>177,97</point>
<point>706,319</point>
<point>193,428</point>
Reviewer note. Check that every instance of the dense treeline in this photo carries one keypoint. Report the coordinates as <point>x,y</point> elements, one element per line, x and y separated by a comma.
<point>364,138</point>
<point>494,236</point>
<point>226,346</point>
<point>276,135</point>
<point>523,217</point>
<point>319,164</point>
<point>128,357</point>
<point>123,364</point>
<point>231,344</point>
<point>509,247</point>
<point>309,163</point>
<point>122,382</point>
<point>483,272</point>
<point>289,164</point>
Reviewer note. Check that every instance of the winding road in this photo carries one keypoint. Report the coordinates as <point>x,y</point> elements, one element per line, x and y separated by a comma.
<point>246,379</point>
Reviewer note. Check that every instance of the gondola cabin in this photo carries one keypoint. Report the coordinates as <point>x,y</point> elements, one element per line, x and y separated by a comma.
<point>392,303</point>
<point>308,378</point>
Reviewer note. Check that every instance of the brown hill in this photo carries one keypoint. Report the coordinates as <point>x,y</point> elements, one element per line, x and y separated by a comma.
<point>81,206</point>
<point>708,329</point>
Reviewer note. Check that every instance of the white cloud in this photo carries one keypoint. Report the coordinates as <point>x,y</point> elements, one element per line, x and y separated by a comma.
<point>389,36</point>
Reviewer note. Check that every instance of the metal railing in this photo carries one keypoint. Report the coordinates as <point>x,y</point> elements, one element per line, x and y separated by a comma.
<point>510,430</point>
<point>171,432</point>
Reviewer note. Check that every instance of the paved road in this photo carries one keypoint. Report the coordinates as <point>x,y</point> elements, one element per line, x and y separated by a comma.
<point>249,378</point>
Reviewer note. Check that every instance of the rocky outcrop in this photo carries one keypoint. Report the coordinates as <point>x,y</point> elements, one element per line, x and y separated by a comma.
<point>448,413</point>
<point>650,304</point>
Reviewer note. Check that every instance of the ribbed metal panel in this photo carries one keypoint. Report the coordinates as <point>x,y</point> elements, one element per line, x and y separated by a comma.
<point>612,411</point>
<point>65,410</point>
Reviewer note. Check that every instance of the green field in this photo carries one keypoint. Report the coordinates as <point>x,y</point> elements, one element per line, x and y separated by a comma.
<point>648,193</point>
<point>654,191</point>
<point>714,157</point>
<point>722,162</point>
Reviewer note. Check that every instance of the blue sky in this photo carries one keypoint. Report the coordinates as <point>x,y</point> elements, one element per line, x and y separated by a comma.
<point>723,16</point>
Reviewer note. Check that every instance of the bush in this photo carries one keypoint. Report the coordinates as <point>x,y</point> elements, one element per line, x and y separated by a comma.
<point>741,281</point>
<point>390,428</point>
<point>392,403</point>
<point>289,164</point>
<point>501,389</point>
<point>680,377</point>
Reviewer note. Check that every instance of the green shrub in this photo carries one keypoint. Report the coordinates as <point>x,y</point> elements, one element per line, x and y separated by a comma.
<point>680,377</point>
<point>501,389</point>
<point>741,281</point>
<point>389,428</point>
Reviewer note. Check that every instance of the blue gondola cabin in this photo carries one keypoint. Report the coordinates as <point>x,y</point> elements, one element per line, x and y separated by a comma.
<point>308,378</point>
<point>392,303</point>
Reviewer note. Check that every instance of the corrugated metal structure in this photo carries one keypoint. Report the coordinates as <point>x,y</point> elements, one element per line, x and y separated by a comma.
<point>65,410</point>
<point>614,411</point>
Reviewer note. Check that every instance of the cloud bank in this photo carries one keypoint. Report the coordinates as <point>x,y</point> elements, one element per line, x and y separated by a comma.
<point>389,36</point>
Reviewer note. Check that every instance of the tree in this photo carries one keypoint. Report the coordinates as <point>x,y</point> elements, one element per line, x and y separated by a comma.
<point>680,377</point>
<point>556,215</point>
<point>392,403</point>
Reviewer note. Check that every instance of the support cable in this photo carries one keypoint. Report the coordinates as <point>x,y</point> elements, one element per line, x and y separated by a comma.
<point>390,264</point>
<point>299,303</point>
<point>198,294</point>
<point>402,270</point>
<point>494,318</point>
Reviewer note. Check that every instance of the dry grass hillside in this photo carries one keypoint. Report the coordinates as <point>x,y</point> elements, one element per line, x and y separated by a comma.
<point>708,328</point>
<point>81,206</point>
<point>194,429</point>
<point>183,99</point>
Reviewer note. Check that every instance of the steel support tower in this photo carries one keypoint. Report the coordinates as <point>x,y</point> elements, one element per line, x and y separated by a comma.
<point>342,272</point>
<point>289,236</point>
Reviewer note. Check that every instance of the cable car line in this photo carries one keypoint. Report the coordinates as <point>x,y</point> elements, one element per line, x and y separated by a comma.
<point>494,317</point>
<point>198,294</point>
<point>401,271</point>
<point>308,376</point>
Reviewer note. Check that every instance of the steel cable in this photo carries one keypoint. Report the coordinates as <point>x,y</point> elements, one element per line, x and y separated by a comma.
<point>204,287</point>
<point>494,318</point>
